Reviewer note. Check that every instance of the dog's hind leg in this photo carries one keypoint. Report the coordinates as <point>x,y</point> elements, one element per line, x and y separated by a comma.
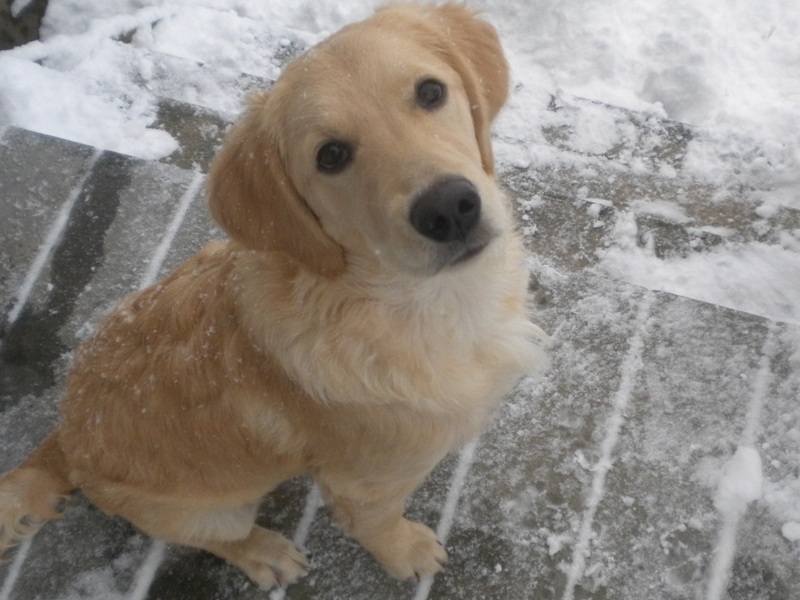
<point>33,493</point>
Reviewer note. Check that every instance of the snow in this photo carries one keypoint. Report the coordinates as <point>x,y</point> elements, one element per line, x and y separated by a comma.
<point>791,531</point>
<point>732,71</point>
<point>756,277</point>
<point>741,481</point>
<point>147,571</point>
<point>668,212</point>
<point>630,370</point>
<point>715,65</point>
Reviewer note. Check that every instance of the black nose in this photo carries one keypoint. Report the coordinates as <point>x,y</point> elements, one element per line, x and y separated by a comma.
<point>448,210</point>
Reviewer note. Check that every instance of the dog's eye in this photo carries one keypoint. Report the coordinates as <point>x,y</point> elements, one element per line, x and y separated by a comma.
<point>333,157</point>
<point>431,93</point>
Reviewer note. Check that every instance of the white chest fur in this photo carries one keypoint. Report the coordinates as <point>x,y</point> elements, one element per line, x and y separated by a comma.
<point>452,344</point>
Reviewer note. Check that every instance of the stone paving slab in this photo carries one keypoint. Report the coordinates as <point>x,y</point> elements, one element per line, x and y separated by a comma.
<point>657,526</point>
<point>37,174</point>
<point>100,253</point>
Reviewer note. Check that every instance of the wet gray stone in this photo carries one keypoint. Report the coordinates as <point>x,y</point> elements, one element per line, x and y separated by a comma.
<point>37,175</point>
<point>23,27</point>
<point>197,229</point>
<point>199,132</point>
<point>117,221</point>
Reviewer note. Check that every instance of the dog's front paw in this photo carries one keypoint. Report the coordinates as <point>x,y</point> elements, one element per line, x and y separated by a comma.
<point>409,550</point>
<point>265,556</point>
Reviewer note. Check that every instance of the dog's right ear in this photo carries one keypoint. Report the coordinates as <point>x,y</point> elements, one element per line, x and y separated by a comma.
<point>252,197</point>
<point>470,46</point>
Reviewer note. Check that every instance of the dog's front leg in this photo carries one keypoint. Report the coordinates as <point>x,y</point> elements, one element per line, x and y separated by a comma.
<point>404,548</point>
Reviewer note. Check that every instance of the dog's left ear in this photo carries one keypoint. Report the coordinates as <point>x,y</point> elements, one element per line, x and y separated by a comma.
<point>472,48</point>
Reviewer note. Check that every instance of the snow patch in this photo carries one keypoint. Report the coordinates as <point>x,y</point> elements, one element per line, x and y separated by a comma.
<point>791,531</point>
<point>666,211</point>
<point>759,278</point>
<point>79,108</point>
<point>741,483</point>
<point>731,71</point>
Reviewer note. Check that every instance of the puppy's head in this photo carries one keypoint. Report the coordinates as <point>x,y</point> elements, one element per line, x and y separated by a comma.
<point>374,145</point>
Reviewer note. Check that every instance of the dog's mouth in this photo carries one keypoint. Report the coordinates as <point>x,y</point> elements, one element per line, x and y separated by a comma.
<point>456,254</point>
<point>469,253</point>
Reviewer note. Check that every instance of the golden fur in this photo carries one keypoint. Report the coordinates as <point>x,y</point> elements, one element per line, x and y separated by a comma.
<point>327,338</point>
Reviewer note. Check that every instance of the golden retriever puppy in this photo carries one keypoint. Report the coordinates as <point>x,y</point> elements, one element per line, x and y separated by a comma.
<point>366,316</point>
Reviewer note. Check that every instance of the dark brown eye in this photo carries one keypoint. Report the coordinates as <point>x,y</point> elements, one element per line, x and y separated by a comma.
<point>431,94</point>
<point>333,157</point>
